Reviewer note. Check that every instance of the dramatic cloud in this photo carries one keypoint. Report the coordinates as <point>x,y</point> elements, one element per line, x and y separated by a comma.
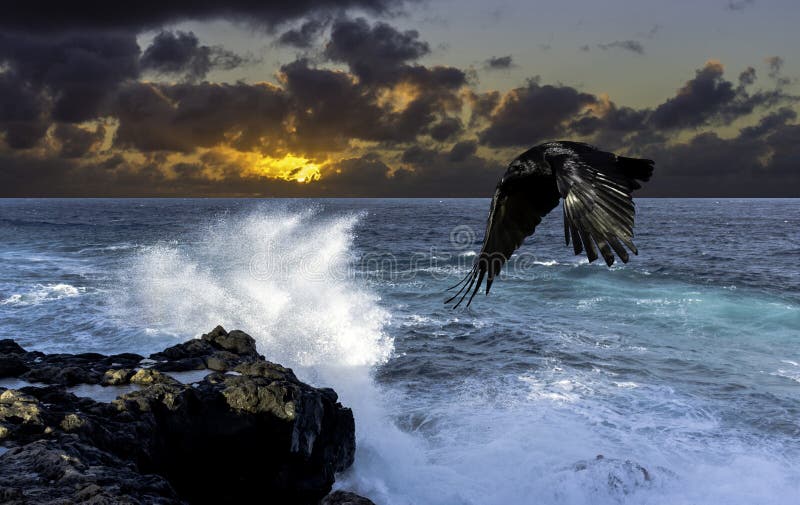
<point>462,150</point>
<point>84,110</point>
<point>304,36</point>
<point>76,141</point>
<point>499,63</point>
<point>769,123</point>
<point>180,53</point>
<point>627,45</point>
<point>763,159</point>
<point>709,98</point>
<point>79,72</point>
<point>446,129</point>
<point>42,16</point>
<point>533,113</point>
<point>373,53</point>
<point>184,117</point>
<point>21,112</point>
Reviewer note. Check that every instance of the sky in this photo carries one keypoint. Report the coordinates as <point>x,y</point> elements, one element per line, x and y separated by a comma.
<point>388,98</point>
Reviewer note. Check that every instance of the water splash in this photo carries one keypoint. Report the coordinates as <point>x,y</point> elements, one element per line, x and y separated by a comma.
<point>283,277</point>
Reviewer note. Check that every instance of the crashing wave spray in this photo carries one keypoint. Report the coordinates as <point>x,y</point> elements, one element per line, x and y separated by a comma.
<point>286,278</point>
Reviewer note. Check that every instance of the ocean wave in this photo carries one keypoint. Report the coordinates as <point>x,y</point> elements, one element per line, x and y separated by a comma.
<point>42,293</point>
<point>285,277</point>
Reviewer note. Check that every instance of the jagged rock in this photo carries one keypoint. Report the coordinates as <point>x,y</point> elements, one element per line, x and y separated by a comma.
<point>271,434</point>
<point>118,376</point>
<point>66,471</point>
<point>222,361</point>
<point>8,347</point>
<point>16,405</point>
<point>345,498</point>
<point>148,376</point>
<point>236,341</point>
<point>11,366</point>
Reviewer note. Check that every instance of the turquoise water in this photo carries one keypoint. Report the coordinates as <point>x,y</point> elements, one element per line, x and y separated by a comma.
<point>685,362</point>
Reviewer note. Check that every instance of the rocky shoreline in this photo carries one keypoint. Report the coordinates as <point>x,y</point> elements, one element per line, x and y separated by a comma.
<point>206,421</point>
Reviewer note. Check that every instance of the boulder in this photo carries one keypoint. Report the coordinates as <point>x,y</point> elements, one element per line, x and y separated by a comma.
<point>253,433</point>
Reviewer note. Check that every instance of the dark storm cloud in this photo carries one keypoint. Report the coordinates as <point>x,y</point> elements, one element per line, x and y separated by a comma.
<point>76,141</point>
<point>21,111</point>
<point>78,71</point>
<point>612,127</point>
<point>373,53</point>
<point>180,53</point>
<point>627,45</point>
<point>533,113</point>
<point>438,173</point>
<point>418,155</point>
<point>708,154</point>
<point>446,128</point>
<point>45,17</point>
<point>402,124</point>
<point>709,98</point>
<point>697,101</point>
<point>183,117</point>
<point>304,36</point>
<point>760,160</point>
<point>462,150</point>
<point>366,174</point>
<point>482,105</point>
<point>499,63</point>
<point>330,108</point>
<point>769,123</point>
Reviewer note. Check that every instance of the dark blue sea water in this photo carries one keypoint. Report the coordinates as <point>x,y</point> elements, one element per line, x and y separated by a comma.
<point>685,362</point>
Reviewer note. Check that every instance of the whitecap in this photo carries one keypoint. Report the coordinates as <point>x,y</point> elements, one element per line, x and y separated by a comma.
<point>43,293</point>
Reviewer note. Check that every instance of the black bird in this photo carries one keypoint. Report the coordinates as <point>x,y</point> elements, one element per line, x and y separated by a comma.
<point>598,209</point>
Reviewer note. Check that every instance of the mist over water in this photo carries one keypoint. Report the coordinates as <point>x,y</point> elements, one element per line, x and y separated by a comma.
<point>682,368</point>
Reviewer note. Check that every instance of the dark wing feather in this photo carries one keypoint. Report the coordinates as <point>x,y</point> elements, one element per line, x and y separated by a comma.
<point>598,208</point>
<point>515,212</point>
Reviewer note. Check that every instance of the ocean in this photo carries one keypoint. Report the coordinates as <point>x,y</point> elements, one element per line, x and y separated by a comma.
<point>674,379</point>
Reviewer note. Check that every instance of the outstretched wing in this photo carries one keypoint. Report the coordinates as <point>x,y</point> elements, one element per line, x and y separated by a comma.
<point>598,208</point>
<point>523,196</point>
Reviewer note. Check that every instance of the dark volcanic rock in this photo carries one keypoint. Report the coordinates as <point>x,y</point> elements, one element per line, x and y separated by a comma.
<point>253,432</point>
<point>65,471</point>
<point>12,366</point>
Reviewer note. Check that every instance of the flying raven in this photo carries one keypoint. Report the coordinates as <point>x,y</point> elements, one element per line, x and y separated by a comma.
<point>598,209</point>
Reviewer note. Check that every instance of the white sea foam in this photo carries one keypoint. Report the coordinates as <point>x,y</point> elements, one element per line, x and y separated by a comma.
<point>43,293</point>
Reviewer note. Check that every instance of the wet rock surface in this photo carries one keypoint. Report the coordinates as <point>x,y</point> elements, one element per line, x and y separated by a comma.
<point>248,430</point>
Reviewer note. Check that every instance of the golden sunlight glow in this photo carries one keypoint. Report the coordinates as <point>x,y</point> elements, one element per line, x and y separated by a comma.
<point>289,168</point>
